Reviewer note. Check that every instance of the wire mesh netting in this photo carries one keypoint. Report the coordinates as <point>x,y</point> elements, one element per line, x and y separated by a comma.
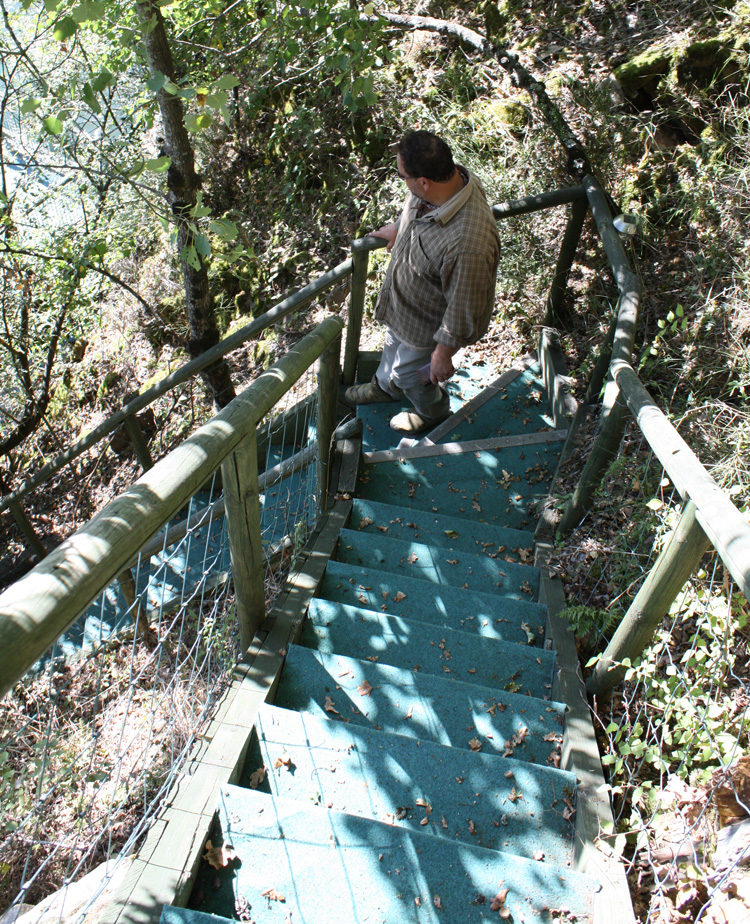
<point>94,736</point>
<point>675,731</point>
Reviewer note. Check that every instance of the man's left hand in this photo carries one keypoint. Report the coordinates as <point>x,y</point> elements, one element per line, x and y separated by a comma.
<point>441,363</point>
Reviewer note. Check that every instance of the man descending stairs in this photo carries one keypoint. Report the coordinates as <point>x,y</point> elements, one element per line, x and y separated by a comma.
<point>409,767</point>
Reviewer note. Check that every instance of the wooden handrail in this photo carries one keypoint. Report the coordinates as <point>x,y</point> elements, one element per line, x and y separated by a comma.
<point>40,606</point>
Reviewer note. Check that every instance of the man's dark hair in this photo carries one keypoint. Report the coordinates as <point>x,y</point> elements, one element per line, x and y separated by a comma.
<point>424,154</point>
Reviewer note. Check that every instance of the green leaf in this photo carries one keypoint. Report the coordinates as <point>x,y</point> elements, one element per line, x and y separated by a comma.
<point>216,100</point>
<point>223,228</point>
<point>158,164</point>
<point>89,11</point>
<point>227,82</point>
<point>369,9</point>
<point>30,104</point>
<point>655,504</point>
<point>53,125</point>
<point>194,122</point>
<point>191,257</point>
<point>49,5</point>
<point>203,245</point>
<point>64,28</point>
<point>90,99</point>
<point>103,79</point>
<point>156,82</point>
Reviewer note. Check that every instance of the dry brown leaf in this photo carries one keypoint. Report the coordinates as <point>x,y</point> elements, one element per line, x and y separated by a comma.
<point>219,857</point>
<point>364,522</point>
<point>284,761</point>
<point>399,597</point>
<point>257,777</point>
<point>498,902</point>
<point>475,744</point>
<point>413,558</point>
<point>364,689</point>
<point>329,707</point>
<point>273,896</point>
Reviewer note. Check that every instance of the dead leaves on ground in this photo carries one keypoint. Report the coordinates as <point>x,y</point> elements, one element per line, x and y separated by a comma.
<point>219,857</point>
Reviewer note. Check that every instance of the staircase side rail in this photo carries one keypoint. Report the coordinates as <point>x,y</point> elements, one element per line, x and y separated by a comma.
<point>613,416</point>
<point>709,517</point>
<point>297,299</point>
<point>40,606</point>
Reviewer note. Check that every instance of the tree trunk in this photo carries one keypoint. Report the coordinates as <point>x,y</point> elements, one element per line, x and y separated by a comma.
<point>183,184</point>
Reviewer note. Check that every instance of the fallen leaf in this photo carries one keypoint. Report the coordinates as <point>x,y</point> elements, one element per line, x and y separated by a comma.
<point>424,821</point>
<point>498,901</point>
<point>329,707</point>
<point>399,597</point>
<point>413,558</point>
<point>437,903</point>
<point>475,744</point>
<point>364,689</point>
<point>538,855</point>
<point>284,761</point>
<point>257,777</point>
<point>383,529</point>
<point>443,821</point>
<point>472,828</point>
<point>401,812</point>
<point>273,896</point>
<point>219,857</point>
<point>364,522</point>
<point>409,713</point>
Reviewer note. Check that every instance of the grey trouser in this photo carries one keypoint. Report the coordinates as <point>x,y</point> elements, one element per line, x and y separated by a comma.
<point>398,374</point>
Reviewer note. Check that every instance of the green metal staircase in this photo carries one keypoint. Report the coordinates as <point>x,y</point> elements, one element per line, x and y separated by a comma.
<point>410,766</point>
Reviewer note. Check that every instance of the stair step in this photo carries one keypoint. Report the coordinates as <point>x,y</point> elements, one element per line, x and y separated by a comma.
<point>438,650</point>
<point>420,705</point>
<point>441,604</point>
<point>501,488</point>
<point>521,407</point>
<point>475,798</point>
<point>335,868</point>
<point>436,529</point>
<point>438,565</point>
<point>376,418</point>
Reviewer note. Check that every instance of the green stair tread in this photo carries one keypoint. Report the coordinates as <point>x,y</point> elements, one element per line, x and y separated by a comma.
<point>439,650</point>
<point>336,868</point>
<point>481,485</point>
<point>449,532</point>
<point>419,705</point>
<point>439,565</point>
<point>521,407</point>
<point>503,629</point>
<point>476,798</point>
<point>414,598</point>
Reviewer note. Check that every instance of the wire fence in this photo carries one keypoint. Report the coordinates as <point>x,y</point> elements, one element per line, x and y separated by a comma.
<point>93,738</point>
<point>675,731</point>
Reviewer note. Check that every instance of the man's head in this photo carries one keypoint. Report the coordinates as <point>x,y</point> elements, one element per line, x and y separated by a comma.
<point>425,155</point>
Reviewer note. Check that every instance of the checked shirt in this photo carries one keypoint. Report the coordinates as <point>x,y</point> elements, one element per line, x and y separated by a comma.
<point>440,283</point>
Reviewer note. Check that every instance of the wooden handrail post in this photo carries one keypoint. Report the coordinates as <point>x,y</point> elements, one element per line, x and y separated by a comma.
<point>242,505</point>
<point>603,452</point>
<point>139,442</point>
<point>553,311</point>
<point>328,378</point>
<point>360,264</point>
<point>19,515</point>
<point>652,602</point>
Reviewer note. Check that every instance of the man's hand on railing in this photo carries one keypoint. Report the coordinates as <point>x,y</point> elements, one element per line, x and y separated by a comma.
<point>389,232</point>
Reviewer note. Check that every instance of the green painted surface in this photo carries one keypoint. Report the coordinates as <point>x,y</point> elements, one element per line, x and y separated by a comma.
<point>485,573</point>
<point>442,604</point>
<point>503,488</point>
<point>416,645</point>
<point>436,529</point>
<point>419,705</point>
<point>480,799</point>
